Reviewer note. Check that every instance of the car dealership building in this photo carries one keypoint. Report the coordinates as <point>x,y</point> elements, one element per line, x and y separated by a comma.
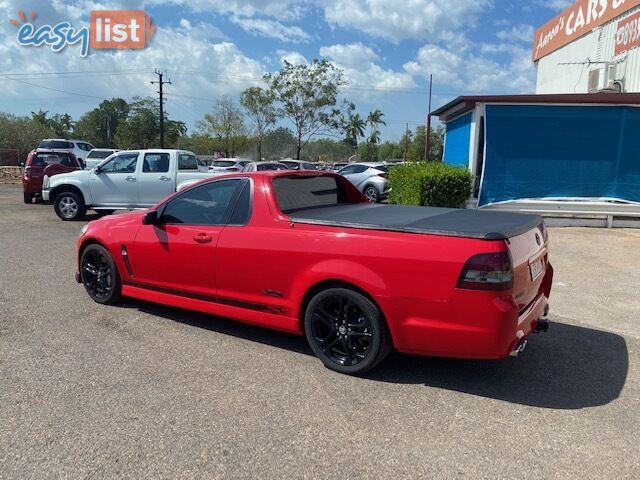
<point>572,150</point>
<point>592,46</point>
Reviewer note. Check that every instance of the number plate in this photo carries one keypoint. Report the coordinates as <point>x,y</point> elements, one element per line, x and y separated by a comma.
<point>536,269</point>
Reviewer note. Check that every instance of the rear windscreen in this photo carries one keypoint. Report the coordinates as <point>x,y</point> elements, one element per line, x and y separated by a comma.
<point>55,144</point>
<point>45,159</point>
<point>298,193</point>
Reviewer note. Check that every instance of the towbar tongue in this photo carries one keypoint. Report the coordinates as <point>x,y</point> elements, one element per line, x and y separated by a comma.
<point>542,326</point>
<point>519,349</point>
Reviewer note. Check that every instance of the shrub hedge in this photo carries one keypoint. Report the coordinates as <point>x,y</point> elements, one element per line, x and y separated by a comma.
<point>431,184</point>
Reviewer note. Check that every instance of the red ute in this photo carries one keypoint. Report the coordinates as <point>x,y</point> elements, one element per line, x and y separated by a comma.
<point>44,162</point>
<point>304,252</point>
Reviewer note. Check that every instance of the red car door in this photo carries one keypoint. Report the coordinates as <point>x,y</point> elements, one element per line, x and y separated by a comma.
<point>177,254</point>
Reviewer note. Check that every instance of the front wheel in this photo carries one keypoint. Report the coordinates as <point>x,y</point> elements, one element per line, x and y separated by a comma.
<point>372,194</point>
<point>70,206</point>
<point>346,331</point>
<point>99,275</point>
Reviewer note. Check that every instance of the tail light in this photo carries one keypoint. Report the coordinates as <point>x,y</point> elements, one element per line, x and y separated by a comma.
<point>543,230</point>
<point>27,173</point>
<point>487,271</point>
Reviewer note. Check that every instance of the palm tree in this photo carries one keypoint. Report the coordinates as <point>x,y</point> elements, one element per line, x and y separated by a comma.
<point>354,128</point>
<point>375,119</point>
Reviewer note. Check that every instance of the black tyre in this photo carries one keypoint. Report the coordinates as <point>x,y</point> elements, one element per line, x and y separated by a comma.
<point>372,194</point>
<point>28,197</point>
<point>100,276</point>
<point>346,331</point>
<point>70,206</point>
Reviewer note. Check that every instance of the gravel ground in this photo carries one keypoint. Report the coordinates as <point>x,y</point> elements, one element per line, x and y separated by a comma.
<point>145,391</point>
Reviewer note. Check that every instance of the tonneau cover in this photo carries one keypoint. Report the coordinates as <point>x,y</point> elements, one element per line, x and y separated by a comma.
<point>481,224</point>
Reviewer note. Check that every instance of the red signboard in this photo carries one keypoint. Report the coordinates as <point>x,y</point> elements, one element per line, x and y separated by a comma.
<point>628,34</point>
<point>576,21</point>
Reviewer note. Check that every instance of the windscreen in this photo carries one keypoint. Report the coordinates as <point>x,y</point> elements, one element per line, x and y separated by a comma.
<point>99,153</point>
<point>299,193</point>
<point>55,144</point>
<point>46,159</point>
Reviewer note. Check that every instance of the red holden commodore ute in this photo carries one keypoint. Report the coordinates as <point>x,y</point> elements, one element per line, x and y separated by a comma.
<point>306,253</point>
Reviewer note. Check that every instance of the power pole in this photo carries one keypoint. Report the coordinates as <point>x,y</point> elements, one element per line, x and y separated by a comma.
<point>427,143</point>
<point>161,82</point>
<point>406,141</point>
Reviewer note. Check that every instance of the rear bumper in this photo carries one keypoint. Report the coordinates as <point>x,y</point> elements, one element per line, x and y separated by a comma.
<point>473,325</point>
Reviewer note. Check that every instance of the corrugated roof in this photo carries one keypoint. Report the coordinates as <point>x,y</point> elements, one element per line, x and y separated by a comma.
<point>465,103</point>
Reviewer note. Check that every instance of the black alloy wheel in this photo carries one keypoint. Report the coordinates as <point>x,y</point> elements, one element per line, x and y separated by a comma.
<point>99,275</point>
<point>372,194</point>
<point>346,331</point>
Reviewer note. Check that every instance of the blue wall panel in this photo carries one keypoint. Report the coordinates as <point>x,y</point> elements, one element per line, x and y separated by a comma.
<point>458,137</point>
<point>561,151</point>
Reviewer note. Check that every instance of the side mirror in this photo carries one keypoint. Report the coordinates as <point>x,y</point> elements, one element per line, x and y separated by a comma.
<point>97,171</point>
<point>150,218</point>
<point>22,164</point>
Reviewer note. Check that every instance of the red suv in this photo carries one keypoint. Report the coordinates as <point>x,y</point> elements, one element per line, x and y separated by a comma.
<point>45,162</point>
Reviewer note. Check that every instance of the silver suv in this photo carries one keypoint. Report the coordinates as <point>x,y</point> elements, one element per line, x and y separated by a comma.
<point>369,178</point>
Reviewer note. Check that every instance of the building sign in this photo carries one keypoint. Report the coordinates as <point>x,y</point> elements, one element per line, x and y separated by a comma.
<point>628,33</point>
<point>576,21</point>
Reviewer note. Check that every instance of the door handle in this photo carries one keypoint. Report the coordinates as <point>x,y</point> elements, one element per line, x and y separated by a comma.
<point>130,179</point>
<point>164,179</point>
<point>202,238</point>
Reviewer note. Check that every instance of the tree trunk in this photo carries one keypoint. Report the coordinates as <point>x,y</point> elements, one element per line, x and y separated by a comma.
<point>298,148</point>
<point>259,148</point>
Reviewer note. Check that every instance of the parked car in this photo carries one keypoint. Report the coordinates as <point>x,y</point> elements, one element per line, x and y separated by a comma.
<point>79,148</point>
<point>264,166</point>
<point>127,179</point>
<point>298,165</point>
<point>41,163</point>
<point>369,178</point>
<point>306,253</point>
<point>97,155</point>
<point>338,166</point>
<point>227,165</point>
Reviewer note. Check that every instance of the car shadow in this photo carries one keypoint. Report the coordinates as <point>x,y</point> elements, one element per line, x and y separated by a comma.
<point>569,367</point>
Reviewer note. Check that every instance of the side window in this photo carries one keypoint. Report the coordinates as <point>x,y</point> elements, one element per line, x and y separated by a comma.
<point>242,210</point>
<point>156,163</point>
<point>208,204</point>
<point>348,170</point>
<point>187,162</point>
<point>360,169</point>
<point>125,163</point>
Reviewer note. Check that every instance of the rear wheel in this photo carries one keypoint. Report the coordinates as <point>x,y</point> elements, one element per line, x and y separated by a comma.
<point>28,197</point>
<point>99,275</point>
<point>346,331</point>
<point>372,194</point>
<point>70,206</point>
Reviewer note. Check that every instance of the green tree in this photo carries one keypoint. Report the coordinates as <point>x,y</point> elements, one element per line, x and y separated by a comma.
<point>279,143</point>
<point>354,129</point>
<point>307,95</point>
<point>225,123</point>
<point>417,148</point>
<point>141,128</point>
<point>375,120</point>
<point>99,126</point>
<point>21,133</point>
<point>259,104</point>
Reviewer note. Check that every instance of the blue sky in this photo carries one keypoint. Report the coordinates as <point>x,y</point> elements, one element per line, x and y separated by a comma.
<point>210,48</point>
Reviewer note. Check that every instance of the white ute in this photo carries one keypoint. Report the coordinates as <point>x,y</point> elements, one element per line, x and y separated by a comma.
<point>125,180</point>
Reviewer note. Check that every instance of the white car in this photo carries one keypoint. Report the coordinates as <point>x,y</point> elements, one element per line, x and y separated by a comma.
<point>369,178</point>
<point>79,148</point>
<point>125,180</point>
<point>96,156</point>
<point>222,165</point>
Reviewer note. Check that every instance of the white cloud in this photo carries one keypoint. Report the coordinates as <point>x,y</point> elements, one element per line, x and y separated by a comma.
<point>520,33</point>
<point>362,71</point>
<point>294,58</point>
<point>558,5</point>
<point>271,29</point>
<point>280,9</point>
<point>469,72</point>
<point>401,19</point>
